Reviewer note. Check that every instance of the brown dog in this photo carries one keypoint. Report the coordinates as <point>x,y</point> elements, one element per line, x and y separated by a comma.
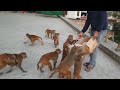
<point>44,60</point>
<point>65,65</point>
<point>33,38</point>
<point>50,33</point>
<point>108,35</point>
<point>118,47</point>
<point>12,60</point>
<point>56,39</point>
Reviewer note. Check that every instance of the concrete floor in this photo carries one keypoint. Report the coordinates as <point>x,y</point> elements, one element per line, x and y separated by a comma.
<point>14,26</point>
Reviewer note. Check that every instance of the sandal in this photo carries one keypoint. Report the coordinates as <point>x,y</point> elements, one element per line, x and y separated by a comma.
<point>88,68</point>
<point>86,64</point>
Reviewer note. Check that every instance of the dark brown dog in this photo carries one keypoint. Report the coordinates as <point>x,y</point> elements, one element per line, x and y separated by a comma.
<point>50,33</point>
<point>34,38</point>
<point>12,60</point>
<point>65,65</point>
<point>44,60</point>
<point>118,47</point>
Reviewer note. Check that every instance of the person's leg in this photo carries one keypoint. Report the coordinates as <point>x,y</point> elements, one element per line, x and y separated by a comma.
<point>93,55</point>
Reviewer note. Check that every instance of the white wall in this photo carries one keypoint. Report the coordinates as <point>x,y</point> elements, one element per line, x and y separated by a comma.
<point>73,14</point>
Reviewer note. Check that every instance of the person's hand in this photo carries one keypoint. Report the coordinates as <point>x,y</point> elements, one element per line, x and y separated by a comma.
<point>81,34</point>
<point>95,35</point>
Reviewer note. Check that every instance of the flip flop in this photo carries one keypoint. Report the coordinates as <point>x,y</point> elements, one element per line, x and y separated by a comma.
<point>86,64</point>
<point>88,68</point>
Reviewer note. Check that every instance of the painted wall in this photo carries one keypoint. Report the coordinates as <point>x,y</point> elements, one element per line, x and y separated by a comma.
<point>73,14</point>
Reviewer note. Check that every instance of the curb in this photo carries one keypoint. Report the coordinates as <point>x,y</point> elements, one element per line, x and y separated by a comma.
<point>105,48</point>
